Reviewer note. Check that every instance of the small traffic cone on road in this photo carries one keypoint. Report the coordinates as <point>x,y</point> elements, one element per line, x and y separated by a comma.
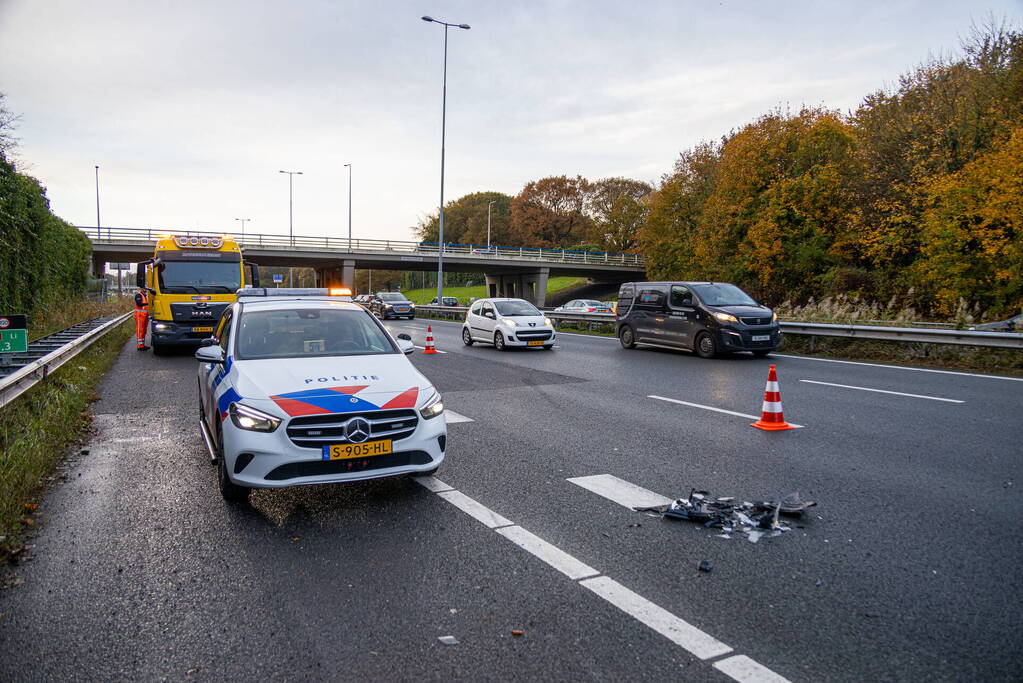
<point>429,340</point>
<point>772,418</point>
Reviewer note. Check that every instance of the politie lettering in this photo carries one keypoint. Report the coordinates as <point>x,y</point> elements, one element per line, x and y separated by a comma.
<point>342,378</point>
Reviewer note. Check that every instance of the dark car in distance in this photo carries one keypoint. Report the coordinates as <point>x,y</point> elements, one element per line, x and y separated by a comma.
<point>392,305</point>
<point>706,317</point>
<point>445,301</point>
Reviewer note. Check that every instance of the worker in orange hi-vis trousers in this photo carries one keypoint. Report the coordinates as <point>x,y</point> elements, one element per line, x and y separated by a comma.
<point>141,318</point>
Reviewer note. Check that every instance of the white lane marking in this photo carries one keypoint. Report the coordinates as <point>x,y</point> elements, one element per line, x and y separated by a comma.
<point>882,391</point>
<point>716,410</point>
<point>477,511</point>
<point>620,491</point>
<point>900,367</point>
<point>424,348</point>
<point>678,631</point>
<point>746,670</point>
<point>434,484</point>
<point>552,555</point>
<point>451,417</point>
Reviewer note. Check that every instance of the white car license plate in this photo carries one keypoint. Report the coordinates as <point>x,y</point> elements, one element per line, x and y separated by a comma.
<point>761,337</point>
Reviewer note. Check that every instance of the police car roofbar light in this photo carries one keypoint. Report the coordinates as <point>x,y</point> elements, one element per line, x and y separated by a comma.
<point>293,291</point>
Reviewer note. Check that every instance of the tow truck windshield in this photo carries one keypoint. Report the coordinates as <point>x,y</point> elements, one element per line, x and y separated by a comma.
<point>202,277</point>
<point>307,332</point>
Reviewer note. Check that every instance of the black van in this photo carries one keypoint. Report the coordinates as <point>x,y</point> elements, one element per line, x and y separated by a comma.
<point>706,317</point>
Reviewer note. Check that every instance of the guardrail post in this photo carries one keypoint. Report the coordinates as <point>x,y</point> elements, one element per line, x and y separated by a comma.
<point>813,343</point>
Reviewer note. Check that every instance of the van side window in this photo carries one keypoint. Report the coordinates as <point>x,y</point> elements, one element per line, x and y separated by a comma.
<point>680,296</point>
<point>650,298</point>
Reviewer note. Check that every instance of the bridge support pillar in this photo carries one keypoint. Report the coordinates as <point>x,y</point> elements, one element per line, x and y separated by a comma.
<point>530,285</point>
<point>337,276</point>
<point>98,266</point>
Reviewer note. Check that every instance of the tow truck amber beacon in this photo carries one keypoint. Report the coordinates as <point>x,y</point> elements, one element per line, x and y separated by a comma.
<point>191,280</point>
<point>302,386</point>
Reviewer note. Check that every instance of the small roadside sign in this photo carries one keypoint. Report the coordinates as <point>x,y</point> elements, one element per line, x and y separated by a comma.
<point>278,278</point>
<point>13,335</point>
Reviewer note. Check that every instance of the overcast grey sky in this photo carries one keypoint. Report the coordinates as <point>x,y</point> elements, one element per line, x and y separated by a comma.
<point>191,107</point>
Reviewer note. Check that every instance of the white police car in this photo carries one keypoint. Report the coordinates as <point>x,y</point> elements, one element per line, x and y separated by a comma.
<point>299,387</point>
<point>506,323</point>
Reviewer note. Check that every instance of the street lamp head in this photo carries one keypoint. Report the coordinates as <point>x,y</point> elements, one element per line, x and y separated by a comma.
<point>427,18</point>
<point>465,26</point>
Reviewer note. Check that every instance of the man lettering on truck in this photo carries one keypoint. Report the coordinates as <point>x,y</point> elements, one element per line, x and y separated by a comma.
<point>141,318</point>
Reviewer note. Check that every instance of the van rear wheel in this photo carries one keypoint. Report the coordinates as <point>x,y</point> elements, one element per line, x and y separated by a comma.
<point>706,347</point>
<point>627,338</point>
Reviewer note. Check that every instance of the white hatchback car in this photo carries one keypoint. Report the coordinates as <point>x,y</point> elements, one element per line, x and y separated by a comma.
<point>506,323</point>
<point>297,387</point>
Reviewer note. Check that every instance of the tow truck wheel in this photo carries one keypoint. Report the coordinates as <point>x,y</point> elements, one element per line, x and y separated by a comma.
<point>159,349</point>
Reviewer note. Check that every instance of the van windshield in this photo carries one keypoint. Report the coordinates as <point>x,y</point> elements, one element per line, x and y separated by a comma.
<point>722,295</point>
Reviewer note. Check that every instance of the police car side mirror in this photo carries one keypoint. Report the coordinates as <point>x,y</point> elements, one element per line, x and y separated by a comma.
<point>208,341</point>
<point>210,354</point>
<point>406,346</point>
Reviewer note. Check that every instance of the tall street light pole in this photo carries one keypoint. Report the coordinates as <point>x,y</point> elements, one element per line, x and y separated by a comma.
<point>243,221</point>
<point>443,125</point>
<point>488,223</point>
<point>349,206</point>
<point>97,206</point>
<point>291,226</point>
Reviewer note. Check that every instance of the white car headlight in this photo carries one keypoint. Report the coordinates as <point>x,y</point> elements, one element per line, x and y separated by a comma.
<point>774,317</point>
<point>726,317</point>
<point>548,322</point>
<point>433,408</point>
<point>509,322</point>
<point>245,417</point>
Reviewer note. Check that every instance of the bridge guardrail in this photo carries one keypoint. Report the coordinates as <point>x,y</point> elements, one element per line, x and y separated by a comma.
<point>30,374</point>
<point>265,241</point>
<point>1004,340</point>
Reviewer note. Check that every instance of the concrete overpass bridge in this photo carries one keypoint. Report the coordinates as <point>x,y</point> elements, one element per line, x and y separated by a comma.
<point>510,271</point>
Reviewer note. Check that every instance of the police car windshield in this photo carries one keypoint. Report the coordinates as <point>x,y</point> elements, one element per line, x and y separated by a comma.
<point>514,308</point>
<point>388,296</point>
<point>204,277</point>
<point>309,332</point>
<point>723,295</point>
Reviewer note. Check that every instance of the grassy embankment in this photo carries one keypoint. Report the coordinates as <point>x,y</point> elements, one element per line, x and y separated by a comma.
<point>464,294</point>
<point>38,428</point>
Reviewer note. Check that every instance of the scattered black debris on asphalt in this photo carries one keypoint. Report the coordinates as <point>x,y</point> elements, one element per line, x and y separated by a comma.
<point>704,566</point>
<point>756,520</point>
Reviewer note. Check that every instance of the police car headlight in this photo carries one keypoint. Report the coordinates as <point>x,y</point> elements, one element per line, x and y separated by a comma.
<point>433,408</point>
<point>726,317</point>
<point>509,322</point>
<point>251,419</point>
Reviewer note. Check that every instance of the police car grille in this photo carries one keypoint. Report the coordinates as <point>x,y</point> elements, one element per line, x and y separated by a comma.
<point>319,468</point>
<point>756,321</point>
<point>317,431</point>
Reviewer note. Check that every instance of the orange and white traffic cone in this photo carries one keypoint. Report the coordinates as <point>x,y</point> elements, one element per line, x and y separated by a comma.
<point>772,418</point>
<point>429,340</point>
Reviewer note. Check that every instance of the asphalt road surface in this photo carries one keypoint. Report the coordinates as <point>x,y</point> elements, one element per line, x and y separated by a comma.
<point>906,570</point>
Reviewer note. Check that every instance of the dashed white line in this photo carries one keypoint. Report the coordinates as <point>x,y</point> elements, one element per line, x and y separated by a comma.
<point>712,408</point>
<point>620,491</point>
<point>451,417</point>
<point>552,555</point>
<point>746,670</point>
<point>678,631</point>
<point>477,511</point>
<point>882,391</point>
<point>900,367</point>
<point>675,629</point>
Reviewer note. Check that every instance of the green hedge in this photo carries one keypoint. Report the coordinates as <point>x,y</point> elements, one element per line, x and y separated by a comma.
<point>43,259</point>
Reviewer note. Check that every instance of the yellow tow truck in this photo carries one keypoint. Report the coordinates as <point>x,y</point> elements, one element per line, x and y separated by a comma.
<point>191,280</point>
